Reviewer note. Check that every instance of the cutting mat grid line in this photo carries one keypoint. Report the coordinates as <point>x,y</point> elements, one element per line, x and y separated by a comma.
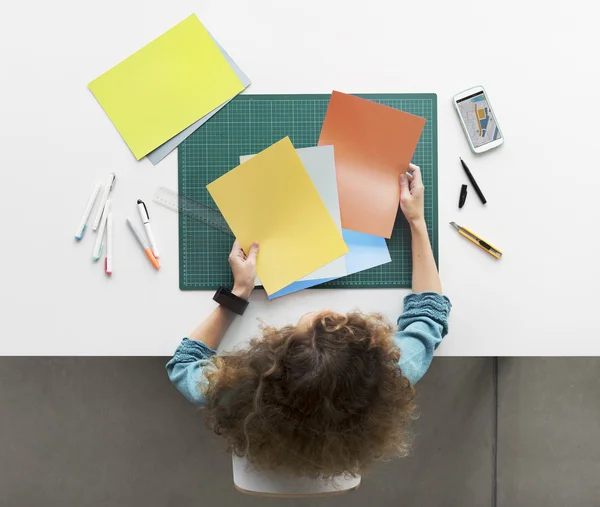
<point>251,123</point>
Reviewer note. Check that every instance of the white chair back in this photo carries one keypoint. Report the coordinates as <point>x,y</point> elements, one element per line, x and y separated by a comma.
<point>272,483</point>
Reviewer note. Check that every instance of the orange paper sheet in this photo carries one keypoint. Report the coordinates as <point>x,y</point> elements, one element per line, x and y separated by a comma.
<point>374,144</point>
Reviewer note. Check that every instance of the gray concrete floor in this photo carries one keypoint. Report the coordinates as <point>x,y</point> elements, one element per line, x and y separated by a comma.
<point>549,432</point>
<point>113,432</point>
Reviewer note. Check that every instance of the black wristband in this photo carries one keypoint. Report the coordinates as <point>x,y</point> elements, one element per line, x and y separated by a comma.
<point>229,300</point>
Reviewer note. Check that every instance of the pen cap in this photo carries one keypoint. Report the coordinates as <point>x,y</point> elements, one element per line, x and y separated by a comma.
<point>463,196</point>
<point>143,211</point>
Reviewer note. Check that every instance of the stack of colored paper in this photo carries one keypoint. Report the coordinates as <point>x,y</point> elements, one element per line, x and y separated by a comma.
<point>161,94</point>
<point>272,200</point>
<point>322,212</point>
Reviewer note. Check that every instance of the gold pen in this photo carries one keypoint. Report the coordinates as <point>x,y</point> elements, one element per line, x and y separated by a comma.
<point>471,236</point>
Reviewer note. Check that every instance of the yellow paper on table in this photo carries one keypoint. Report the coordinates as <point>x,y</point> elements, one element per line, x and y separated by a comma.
<point>166,86</point>
<point>271,199</point>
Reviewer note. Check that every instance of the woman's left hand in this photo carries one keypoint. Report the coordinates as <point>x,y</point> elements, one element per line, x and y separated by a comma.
<point>243,268</point>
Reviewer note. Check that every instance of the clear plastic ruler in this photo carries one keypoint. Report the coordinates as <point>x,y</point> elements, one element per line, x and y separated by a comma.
<point>193,209</point>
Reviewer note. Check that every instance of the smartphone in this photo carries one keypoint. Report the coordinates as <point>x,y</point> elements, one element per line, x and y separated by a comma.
<point>478,119</point>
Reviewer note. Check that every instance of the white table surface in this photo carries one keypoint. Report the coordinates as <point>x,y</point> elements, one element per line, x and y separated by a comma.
<point>540,69</point>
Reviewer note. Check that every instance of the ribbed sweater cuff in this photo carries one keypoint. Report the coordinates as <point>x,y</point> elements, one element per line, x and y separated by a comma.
<point>192,350</point>
<point>428,304</point>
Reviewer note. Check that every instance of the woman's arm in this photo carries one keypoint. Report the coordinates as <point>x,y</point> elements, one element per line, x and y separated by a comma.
<point>187,367</point>
<point>425,277</point>
<point>421,328</point>
<point>212,330</point>
<point>424,322</point>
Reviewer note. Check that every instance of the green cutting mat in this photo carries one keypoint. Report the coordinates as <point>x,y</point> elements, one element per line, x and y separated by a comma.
<point>251,123</point>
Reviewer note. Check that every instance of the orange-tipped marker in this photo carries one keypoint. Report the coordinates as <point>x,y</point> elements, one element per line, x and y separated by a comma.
<point>144,244</point>
<point>153,259</point>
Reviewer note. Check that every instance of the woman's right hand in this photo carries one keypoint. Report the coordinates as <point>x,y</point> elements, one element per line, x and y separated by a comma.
<point>412,196</point>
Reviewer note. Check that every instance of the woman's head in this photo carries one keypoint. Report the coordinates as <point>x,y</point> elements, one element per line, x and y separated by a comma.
<point>323,397</point>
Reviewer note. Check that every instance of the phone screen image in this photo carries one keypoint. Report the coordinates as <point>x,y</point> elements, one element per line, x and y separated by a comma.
<point>479,120</point>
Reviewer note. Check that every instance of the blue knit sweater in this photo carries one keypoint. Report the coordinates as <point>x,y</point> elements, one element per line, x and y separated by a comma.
<point>420,330</point>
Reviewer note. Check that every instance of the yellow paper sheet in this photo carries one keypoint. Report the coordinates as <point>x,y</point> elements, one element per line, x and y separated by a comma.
<point>166,86</point>
<point>271,199</point>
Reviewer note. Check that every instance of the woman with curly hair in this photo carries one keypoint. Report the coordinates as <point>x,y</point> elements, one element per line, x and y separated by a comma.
<point>330,395</point>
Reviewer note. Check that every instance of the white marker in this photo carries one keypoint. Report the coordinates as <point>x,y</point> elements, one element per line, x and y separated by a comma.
<point>109,186</point>
<point>99,240</point>
<point>86,214</point>
<point>145,246</point>
<point>146,221</point>
<point>109,245</point>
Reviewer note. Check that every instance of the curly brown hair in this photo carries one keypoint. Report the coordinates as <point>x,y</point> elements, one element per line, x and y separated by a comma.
<point>318,400</point>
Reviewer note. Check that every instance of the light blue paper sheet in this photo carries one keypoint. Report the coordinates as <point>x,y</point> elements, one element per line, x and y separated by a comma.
<point>164,149</point>
<point>366,251</point>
